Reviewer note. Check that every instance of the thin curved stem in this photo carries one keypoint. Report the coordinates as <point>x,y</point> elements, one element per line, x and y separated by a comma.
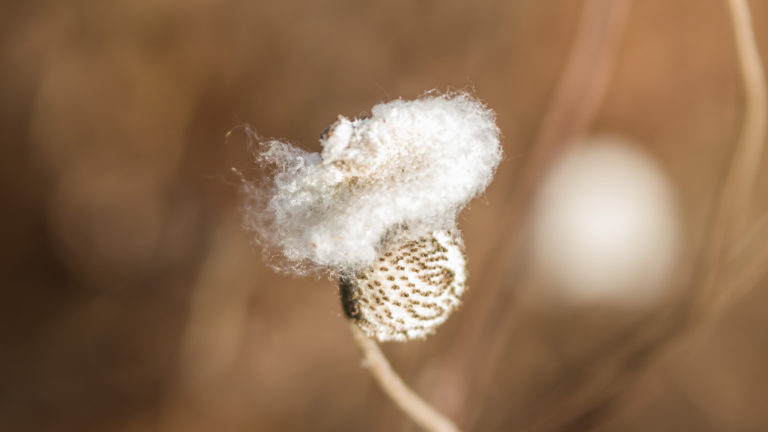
<point>578,95</point>
<point>742,172</point>
<point>752,137</point>
<point>409,402</point>
<point>726,272</point>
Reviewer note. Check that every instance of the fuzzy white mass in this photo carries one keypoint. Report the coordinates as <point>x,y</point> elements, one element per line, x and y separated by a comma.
<point>411,165</point>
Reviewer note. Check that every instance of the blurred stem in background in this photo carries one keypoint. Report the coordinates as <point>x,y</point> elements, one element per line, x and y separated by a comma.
<point>728,264</point>
<point>739,183</point>
<point>577,98</point>
<point>731,261</point>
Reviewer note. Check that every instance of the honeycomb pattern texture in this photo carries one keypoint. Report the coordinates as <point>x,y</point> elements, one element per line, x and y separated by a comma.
<point>410,291</point>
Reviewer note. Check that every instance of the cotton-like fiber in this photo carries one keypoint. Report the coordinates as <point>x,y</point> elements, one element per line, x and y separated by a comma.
<point>408,168</point>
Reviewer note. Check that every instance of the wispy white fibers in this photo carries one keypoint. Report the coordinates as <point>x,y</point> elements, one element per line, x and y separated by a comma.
<point>411,164</point>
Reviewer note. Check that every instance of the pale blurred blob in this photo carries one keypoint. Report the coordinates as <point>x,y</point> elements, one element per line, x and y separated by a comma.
<point>605,226</point>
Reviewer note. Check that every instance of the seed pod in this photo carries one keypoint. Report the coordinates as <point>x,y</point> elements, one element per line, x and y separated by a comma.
<point>412,289</point>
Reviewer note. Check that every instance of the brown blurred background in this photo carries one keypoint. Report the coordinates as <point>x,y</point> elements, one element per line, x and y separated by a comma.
<point>133,301</point>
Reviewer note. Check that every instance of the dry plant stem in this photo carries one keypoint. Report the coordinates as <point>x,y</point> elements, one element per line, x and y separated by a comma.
<point>582,85</point>
<point>745,272</point>
<point>752,137</point>
<point>747,269</point>
<point>409,402</point>
<point>742,173</point>
<point>580,91</point>
<point>578,95</point>
<point>726,271</point>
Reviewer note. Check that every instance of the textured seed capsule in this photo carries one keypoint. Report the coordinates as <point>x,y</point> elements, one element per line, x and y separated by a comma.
<point>410,291</point>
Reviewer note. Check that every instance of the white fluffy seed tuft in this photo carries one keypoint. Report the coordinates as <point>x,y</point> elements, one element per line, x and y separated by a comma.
<point>409,167</point>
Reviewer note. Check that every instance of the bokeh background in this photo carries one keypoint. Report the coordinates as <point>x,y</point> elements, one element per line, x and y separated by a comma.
<point>132,300</point>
